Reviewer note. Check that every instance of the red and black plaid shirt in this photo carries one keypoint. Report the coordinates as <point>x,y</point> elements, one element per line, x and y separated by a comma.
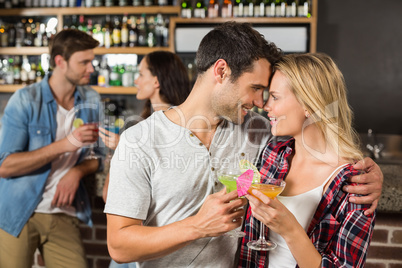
<point>339,229</point>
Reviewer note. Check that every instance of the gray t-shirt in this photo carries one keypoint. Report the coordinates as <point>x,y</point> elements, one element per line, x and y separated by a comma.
<point>161,173</point>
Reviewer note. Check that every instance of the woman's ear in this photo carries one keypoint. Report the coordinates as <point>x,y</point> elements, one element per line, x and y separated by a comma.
<point>157,85</point>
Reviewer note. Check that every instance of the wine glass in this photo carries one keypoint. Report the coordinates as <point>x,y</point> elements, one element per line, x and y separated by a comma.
<point>271,188</point>
<point>228,177</point>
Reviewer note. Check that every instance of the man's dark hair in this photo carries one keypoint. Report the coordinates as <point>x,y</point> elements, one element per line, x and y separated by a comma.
<point>69,41</point>
<point>239,45</point>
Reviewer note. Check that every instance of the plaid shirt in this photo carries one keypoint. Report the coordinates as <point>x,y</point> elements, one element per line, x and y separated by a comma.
<point>339,230</point>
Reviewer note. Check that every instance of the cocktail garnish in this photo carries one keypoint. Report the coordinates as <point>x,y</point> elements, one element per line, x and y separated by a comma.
<point>244,182</point>
<point>246,165</point>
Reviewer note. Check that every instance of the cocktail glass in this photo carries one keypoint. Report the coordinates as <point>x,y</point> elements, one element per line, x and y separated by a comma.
<point>92,154</point>
<point>270,188</point>
<point>228,178</point>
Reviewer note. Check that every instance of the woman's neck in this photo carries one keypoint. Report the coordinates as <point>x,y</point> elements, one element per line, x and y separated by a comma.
<point>312,144</point>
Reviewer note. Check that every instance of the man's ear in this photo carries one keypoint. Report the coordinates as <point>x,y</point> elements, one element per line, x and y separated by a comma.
<point>221,70</point>
<point>59,61</point>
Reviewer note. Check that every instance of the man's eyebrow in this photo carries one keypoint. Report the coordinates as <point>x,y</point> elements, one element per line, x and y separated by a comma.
<point>259,86</point>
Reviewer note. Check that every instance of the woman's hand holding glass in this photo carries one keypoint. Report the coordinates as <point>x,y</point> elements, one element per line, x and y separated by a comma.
<point>272,213</point>
<point>265,211</point>
<point>110,138</point>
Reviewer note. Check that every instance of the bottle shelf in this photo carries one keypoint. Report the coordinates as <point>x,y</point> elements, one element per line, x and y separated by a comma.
<point>112,90</point>
<point>49,11</point>
<point>256,20</point>
<point>21,51</point>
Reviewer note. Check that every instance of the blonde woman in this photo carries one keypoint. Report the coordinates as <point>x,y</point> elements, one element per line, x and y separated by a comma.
<point>312,221</point>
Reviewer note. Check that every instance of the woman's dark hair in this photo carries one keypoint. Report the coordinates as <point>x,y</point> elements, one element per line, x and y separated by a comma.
<point>172,77</point>
<point>239,45</point>
<point>69,41</point>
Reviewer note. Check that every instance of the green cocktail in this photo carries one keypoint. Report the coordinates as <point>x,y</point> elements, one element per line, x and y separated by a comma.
<point>229,181</point>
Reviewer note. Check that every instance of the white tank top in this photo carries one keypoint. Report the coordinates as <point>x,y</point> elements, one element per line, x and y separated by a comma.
<point>303,207</point>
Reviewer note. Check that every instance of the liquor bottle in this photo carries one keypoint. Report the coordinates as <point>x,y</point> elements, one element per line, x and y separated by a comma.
<point>199,9</point>
<point>37,36</point>
<point>40,73</point>
<point>124,32</point>
<point>227,9</point>
<point>109,3</point>
<point>115,77</point>
<point>133,32</point>
<point>98,3</point>
<point>98,34</point>
<point>32,74</point>
<point>28,3</point>
<point>72,3</point>
<point>122,3</point>
<point>104,72</point>
<point>74,23</point>
<point>151,35</point>
<point>19,34</point>
<point>137,3</point>
<point>259,8</point>
<point>148,3</point>
<point>45,38</point>
<point>127,78</point>
<point>8,4</point>
<point>142,32</point>
<point>213,9</point>
<point>9,36</point>
<point>17,70</point>
<point>82,26</point>
<point>90,27</point>
<point>280,8</point>
<point>270,8</point>
<point>63,3</point>
<point>116,34</point>
<point>29,37</point>
<point>4,35</point>
<point>15,3</point>
<point>186,9</point>
<point>93,77</point>
<point>238,8</point>
<point>162,2</point>
<point>248,8</point>
<point>108,33</point>
<point>303,8</point>
<point>159,30</point>
<point>291,8</point>
<point>25,69</point>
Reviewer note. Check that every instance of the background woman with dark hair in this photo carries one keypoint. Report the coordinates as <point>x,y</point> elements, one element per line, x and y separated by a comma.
<point>162,81</point>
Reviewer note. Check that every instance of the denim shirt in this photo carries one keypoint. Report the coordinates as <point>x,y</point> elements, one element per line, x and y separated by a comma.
<point>29,123</point>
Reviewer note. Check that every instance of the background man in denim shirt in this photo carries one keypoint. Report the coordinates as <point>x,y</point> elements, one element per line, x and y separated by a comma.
<point>42,159</point>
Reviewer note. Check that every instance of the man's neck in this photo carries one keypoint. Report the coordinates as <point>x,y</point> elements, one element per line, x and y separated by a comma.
<point>195,114</point>
<point>63,91</point>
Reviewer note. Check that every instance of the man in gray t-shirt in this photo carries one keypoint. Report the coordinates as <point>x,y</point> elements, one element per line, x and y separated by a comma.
<point>164,206</point>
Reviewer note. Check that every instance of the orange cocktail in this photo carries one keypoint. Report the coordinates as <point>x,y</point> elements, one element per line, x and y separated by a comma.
<point>269,190</point>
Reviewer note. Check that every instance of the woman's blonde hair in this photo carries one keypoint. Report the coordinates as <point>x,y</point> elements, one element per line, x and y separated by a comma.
<point>319,86</point>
